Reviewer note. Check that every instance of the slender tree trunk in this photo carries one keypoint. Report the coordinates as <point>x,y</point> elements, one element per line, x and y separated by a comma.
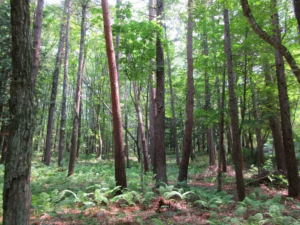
<point>62,139</point>
<point>236,150</point>
<point>126,126</point>
<point>78,146</point>
<point>47,153</point>
<point>78,92</point>
<point>159,124</point>
<point>221,127</point>
<point>37,30</point>
<point>120,174</point>
<point>141,128</point>
<point>297,11</point>
<point>16,191</point>
<point>187,140</point>
<point>4,150</point>
<point>270,40</point>
<point>152,110</point>
<point>287,133</point>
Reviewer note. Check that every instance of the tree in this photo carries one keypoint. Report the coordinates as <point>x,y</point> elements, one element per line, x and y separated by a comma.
<point>62,138</point>
<point>47,152</point>
<point>37,29</point>
<point>78,91</point>
<point>187,141</point>
<point>286,125</point>
<point>17,193</point>
<point>236,147</point>
<point>120,174</point>
<point>272,41</point>
<point>159,123</point>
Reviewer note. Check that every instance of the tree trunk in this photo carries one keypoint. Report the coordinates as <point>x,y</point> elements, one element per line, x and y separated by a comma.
<point>287,133</point>
<point>16,191</point>
<point>297,11</point>
<point>159,125</point>
<point>141,128</point>
<point>78,146</point>
<point>187,140</point>
<point>62,139</point>
<point>47,153</point>
<point>236,150</point>
<point>37,30</point>
<point>272,41</point>
<point>152,110</point>
<point>126,126</point>
<point>78,92</point>
<point>120,174</point>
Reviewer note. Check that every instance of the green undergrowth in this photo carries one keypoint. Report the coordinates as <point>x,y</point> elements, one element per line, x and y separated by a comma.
<point>93,187</point>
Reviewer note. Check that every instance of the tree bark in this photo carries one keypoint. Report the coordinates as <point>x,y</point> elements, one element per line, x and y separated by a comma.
<point>62,139</point>
<point>37,30</point>
<point>47,153</point>
<point>78,92</point>
<point>287,133</point>
<point>187,140</point>
<point>236,150</point>
<point>272,41</point>
<point>120,174</point>
<point>159,124</point>
<point>297,11</point>
<point>16,191</point>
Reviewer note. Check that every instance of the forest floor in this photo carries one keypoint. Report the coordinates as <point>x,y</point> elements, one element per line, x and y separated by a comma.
<point>88,197</point>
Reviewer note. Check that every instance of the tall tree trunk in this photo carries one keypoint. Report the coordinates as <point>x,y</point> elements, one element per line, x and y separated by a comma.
<point>274,121</point>
<point>126,126</point>
<point>159,124</point>
<point>62,139</point>
<point>141,128</point>
<point>287,133</point>
<point>47,153</point>
<point>37,30</point>
<point>272,41</point>
<point>78,145</point>
<point>297,11</point>
<point>152,110</point>
<point>16,191</point>
<point>78,92</point>
<point>120,174</point>
<point>237,149</point>
<point>187,140</point>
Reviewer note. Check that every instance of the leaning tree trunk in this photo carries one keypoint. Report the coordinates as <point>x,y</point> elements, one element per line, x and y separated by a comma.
<point>187,140</point>
<point>47,153</point>
<point>287,133</point>
<point>120,174</point>
<point>272,41</point>
<point>78,93</point>
<point>236,148</point>
<point>141,128</point>
<point>37,30</point>
<point>62,138</point>
<point>16,191</point>
<point>159,125</point>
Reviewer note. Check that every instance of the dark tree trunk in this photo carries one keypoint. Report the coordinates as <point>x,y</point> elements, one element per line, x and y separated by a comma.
<point>187,140</point>
<point>287,133</point>
<point>47,153</point>
<point>37,29</point>
<point>272,41</point>
<point>221,127</point>
<point>62,139</point>
<point>236,148</point>
<point>4,150</point>
<point>120,174</point>
<point>78,92</point>
<point>16,191</point>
